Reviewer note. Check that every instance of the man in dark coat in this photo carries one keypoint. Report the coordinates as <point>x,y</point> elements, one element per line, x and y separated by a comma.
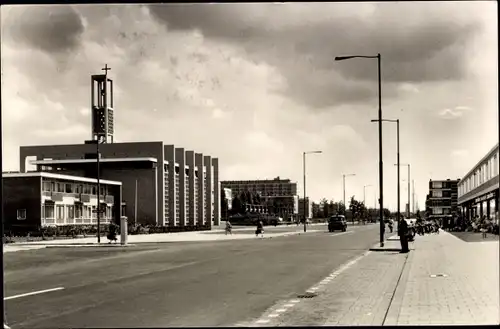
<point>403,235</point>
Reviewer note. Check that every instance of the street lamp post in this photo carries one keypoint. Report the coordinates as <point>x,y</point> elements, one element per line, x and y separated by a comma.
<point>364,193</point>
<point>399,187</point>
<point>343,186</point>
<point>408,210</point>
<point>304,171</point>
<point>380,164</point>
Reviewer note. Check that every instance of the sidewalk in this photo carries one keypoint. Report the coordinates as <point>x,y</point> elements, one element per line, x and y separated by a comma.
<point>156,238</point>
<point>468,293</point>
<point>389,288</point>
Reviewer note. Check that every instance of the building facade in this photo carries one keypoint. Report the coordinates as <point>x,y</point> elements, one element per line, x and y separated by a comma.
<point>38,199</point>
<point>478,191</point>
<point>281,193</point>
<point>441,203</point>
<point>308,208</point>
<point>174,187</point>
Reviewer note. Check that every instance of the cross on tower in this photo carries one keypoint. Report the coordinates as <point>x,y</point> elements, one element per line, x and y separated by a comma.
<point>106,69</point>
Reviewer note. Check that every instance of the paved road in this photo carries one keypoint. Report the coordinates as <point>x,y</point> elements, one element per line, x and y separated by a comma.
<point>162,285</point>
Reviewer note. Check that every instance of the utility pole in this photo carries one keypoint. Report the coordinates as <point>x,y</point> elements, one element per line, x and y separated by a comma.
<point>413,195</point>
<point>135,215</point>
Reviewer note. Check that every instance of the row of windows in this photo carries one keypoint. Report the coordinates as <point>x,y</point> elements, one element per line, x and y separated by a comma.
<point>187,171</point>
<point>481,175</point>
<point>73,214</point>
<point>440,194</point>
<point>55,186</point>
<point>441,211</point>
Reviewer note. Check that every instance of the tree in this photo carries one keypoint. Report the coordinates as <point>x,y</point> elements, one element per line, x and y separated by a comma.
<point>387,213</point>
<point>237,205</point>
<point>324,208</point>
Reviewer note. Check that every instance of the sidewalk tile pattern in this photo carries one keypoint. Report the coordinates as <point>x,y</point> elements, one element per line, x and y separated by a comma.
<point>467,294</point>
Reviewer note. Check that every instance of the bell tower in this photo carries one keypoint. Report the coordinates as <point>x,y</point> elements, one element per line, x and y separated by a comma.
<point>102,107</point>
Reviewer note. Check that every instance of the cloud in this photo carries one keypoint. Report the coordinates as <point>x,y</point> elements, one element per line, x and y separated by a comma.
<point>408,87</point>
<point>256,84</point>
<point>302,41</point>
<point>459,153</point>
<point>455,113</point>
<point>52,29</point>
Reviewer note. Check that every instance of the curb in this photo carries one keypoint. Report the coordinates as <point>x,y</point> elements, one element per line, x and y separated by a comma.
<point>90,245</point>
<point>392,315</point>
<point>385,249</point>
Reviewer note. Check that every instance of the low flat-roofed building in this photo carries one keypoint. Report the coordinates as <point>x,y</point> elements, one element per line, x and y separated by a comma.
<point>38,199</point>
<point>478,190</point>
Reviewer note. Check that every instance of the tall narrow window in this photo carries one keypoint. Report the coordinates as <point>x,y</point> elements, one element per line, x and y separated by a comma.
<point>21,214</point>
<point>60,214</point>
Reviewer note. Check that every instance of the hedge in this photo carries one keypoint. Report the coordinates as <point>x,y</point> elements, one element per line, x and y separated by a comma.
<point>74,231</point>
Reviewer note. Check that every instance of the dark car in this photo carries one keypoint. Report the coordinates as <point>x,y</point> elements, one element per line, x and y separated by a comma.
<point>337,223</point>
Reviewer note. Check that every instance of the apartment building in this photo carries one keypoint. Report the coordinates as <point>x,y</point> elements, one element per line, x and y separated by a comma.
<point>266,187</point>
<point>478,191</point>
<point>442,200</point>
<point>37,199</point>
<point>282,193</point>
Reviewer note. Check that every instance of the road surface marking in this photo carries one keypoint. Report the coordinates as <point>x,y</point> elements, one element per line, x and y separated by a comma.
<point>33,293</point>
<point>315,288</point>
<point>337,234</point>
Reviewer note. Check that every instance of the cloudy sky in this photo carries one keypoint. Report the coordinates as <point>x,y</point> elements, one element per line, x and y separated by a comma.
<point>257,84</point>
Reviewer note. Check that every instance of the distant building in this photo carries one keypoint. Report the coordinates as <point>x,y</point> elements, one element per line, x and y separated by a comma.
<point>265,187</point>
<point>478,190</point>
<point>308,208</point>
<point>282,193</point>
<point>441,203</point>
<point>38,199</point>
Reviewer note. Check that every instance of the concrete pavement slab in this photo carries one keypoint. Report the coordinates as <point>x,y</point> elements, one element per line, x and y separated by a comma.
<point>448,282</point>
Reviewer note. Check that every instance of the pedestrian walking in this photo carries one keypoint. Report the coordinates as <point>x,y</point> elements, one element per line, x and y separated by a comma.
<point>260,229</point>
<point>403,235</point>
<point>484,228</point>
<point>229,228</point>
<point>112,230</point>
<point>391,224</point>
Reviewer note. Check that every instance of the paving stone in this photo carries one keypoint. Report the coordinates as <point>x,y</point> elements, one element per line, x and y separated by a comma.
<point>468,294</point>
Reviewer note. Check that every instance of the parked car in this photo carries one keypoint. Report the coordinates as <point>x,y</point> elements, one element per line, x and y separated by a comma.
<point>337,222</point>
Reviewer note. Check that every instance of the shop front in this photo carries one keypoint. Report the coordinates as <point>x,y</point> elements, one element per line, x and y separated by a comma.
<point>484,205</point>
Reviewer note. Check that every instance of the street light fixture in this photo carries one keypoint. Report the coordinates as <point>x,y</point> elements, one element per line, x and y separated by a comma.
<point>380,164</point>
<point>408,210</point>
<point>399,187</point>
<point>343,185</point>
<point>364,193</point>
<point>304,168</point>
